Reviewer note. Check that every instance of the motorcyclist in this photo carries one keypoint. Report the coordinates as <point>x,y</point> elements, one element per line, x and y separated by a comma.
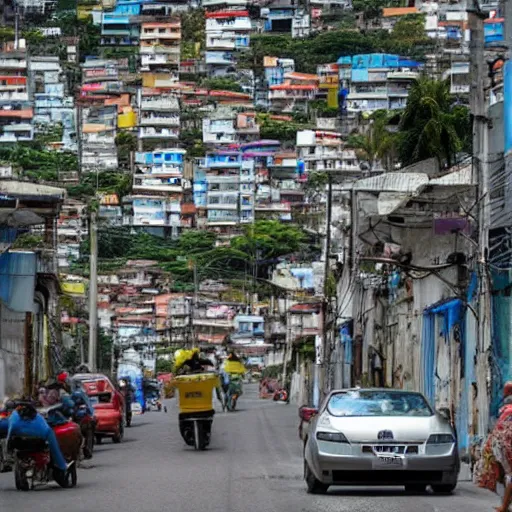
<point>196,363</point>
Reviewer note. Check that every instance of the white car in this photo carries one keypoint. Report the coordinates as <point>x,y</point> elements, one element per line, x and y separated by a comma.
<point>379,437</point>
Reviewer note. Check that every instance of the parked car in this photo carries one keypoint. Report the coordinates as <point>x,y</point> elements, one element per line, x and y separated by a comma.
<point>108,403</point>
<point>378,437</point>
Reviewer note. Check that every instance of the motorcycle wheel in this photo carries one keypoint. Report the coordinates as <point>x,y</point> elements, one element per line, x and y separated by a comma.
<point>20,478</point>
<point>159,407</point>
<point>88,445</point>
<point>66,479</point>
<point>200,440</point>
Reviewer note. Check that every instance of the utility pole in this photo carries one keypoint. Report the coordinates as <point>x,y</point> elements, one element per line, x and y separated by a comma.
<point>287,341</point>
<point>93,292</point>
<point>16,27</point>
<point>81,344</point>
<point>481,173</point>
<point>323,371</point>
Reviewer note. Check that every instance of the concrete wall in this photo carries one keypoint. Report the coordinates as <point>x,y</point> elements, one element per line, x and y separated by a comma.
<point>12,329</point>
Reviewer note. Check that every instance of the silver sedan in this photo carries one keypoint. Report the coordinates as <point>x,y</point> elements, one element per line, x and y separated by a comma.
<point>380,437</point>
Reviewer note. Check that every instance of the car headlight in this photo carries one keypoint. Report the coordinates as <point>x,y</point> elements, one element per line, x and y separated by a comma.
<point>441,439</point>
<point>333,437</point>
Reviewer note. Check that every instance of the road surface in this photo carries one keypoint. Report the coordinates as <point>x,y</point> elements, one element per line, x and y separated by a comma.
<point>254,464</point>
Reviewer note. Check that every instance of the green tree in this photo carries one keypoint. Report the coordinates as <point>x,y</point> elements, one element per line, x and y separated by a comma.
<point>222,84</point>
<point>163,365</point>
<point>270,238</point>
<point>431,126</point>
<point>283,131</point>
<point>377,144</point>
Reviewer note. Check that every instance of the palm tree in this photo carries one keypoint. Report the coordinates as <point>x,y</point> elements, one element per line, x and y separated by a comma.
<point>378,144</point>
<point>430,125</point>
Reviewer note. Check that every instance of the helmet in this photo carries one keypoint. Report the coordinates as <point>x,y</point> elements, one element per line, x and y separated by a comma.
<point>63,377</point>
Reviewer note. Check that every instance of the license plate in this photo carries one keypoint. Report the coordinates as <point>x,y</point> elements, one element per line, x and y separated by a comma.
<point>388,462</point>
<point>194,394</point>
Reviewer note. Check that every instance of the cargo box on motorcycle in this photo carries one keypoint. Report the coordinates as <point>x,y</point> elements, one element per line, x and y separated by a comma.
<point>195,392</point>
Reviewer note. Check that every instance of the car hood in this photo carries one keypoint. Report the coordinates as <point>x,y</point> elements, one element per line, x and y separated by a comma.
<point>366,429</point>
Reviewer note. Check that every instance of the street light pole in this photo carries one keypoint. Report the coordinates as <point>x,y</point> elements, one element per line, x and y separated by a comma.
<point>93,292</point>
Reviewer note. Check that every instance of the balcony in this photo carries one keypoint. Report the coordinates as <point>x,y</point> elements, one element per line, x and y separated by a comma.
<point>164,59</point>
<point>13,96</point>
<point>219,179</point>
<point>230,3</point>
<point>158,35</point>
<point>220,58</point>
<point>160,103</point>
<point>459,88</point>
<point>11,63</point>
<point>228,25</point>
<point>223,161</point>
<point>153,184</point>
<point>160,121</point>
<point>158,133</point>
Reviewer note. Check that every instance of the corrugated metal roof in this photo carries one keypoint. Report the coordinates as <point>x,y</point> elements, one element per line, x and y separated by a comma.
<point>24,189</point>
<point>393,182</point>
<point>461,177</point>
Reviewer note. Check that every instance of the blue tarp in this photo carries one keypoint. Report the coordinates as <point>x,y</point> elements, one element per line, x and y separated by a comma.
<point>507,105</point>
<point>18,280</point>
<point>38,429</point>
<point>305,275</point>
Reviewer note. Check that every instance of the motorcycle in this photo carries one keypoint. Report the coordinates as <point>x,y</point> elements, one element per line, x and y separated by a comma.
<point>196,407</point>
<point>33,461</point>
<point>234,392</point>
<point>281,395</point>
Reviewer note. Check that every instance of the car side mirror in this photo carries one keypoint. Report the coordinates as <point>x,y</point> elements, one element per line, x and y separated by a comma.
<point>445,413</point>
<point>306,413</point>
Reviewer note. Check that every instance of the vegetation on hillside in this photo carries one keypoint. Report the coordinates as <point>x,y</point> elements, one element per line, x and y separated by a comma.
<point>432,125</point>
<point>328,47</point>
<point>259,245</point>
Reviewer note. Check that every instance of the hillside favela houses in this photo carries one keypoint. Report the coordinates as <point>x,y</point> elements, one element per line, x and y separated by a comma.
<point>261,176</point>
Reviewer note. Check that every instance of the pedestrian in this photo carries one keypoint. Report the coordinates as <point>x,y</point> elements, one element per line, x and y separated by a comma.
<point>495,464</point>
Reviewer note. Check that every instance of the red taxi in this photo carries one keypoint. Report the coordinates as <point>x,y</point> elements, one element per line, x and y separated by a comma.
<point>108,406</point>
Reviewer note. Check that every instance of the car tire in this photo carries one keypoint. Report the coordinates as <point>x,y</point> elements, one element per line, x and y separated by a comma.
<point>444,488</point>
<point>314,486</point>
<point>119,437</point>
<point>415,488</point>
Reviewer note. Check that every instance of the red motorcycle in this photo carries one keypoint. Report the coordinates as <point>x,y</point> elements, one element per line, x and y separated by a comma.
<point>33,464</point>
<point>281,395</point>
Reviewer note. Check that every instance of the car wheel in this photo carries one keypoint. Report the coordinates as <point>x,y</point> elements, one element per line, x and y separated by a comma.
<point>119,437</point>
<point>415,488</point>
<point>314,486</point>
<point>444,488</point>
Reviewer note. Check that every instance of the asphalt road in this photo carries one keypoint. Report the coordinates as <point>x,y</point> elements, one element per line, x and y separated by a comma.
<point>254,464</point>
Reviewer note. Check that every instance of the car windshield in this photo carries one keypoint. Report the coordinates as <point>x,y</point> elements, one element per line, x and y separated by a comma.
<point>378,403</point>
